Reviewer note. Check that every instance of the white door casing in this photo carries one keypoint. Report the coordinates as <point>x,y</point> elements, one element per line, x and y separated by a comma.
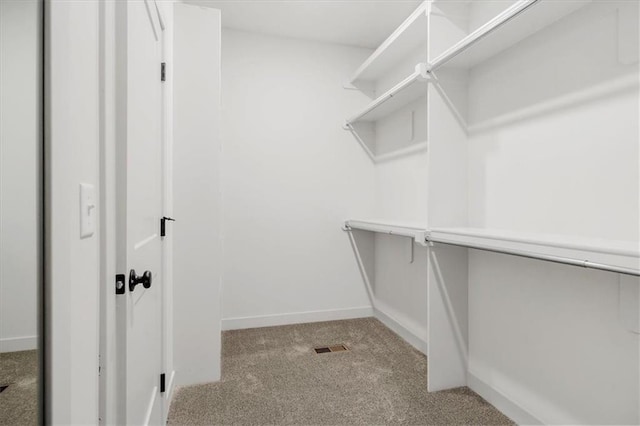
<point>139,197</point>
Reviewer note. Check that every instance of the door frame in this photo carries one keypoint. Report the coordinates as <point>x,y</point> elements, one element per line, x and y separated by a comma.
<point>166,46</point>
<point>107,390</point>
<point>110,67</point>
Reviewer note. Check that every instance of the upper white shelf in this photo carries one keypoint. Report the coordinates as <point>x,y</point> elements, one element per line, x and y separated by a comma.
<point>408,37</point>
<point>519,21</point>
<point>624,254</point>
<point>405,92</point>
<point>412,230</point>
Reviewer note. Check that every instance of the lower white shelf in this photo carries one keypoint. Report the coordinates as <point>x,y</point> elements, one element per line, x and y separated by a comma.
<point>412,230</point>
<point>613,255</point>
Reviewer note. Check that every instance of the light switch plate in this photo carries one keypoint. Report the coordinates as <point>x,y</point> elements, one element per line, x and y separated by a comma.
<point>87,210</point>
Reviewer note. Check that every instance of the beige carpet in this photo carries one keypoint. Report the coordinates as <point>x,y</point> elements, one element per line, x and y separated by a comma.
<point>273,376</point>
<point>19,401</point>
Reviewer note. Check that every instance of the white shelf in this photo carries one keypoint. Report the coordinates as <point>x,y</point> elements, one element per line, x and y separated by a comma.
<point>519,21</point>
<point>409,36</point>
<point>411,230</point>
<point>405,92</point>
<point>623,254</point>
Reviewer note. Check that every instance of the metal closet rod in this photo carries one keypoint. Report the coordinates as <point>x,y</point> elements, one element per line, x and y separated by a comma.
<point>550,258</point>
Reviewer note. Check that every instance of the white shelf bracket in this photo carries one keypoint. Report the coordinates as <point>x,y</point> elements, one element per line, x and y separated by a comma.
<point>424,74</point>
<point>426,241</point>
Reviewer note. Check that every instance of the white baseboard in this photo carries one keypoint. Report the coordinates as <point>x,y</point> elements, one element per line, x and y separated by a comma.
<point>407,333</point>
<point>15,344</point>
<point>168,395</point>
<point>296,318</point>
<point>502,402</point>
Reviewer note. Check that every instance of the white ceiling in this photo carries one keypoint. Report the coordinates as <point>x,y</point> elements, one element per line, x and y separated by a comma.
<point>364,23</point>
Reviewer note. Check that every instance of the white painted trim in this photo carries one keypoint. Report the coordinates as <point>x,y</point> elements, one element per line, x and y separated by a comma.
<point>152,403</point>
<point>410,336</point>
<point>170,387</point>
<point>108,379</point>
<point>296,318</point>
<point>507,406</point>
<point>165,17</point>
<point>72,269</point>
<point>16,344</point>
<point>168,396</point>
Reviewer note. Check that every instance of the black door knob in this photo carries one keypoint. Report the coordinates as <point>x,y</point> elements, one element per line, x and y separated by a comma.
<point>134,279</point>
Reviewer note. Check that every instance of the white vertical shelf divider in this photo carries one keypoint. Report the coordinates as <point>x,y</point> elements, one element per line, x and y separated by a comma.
<point>447,272</point>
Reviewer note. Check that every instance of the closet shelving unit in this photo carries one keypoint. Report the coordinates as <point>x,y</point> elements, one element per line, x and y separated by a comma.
<point>452,243</point>
<point>403,93</point>
<point>391,129</point>
<point>405,40</point>
<point>496,35</point>
<point>409,36</point>
<point>453,264</point>
<point>519,21</point>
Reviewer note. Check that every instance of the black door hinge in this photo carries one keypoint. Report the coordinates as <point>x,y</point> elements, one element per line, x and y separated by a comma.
<point>163,225</point>
<point>163,71</point>
<point>162,383</point>
<point>120,287</point>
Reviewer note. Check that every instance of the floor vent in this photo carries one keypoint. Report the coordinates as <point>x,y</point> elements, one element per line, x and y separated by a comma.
<point>3,388</point>
<point>332,348</point>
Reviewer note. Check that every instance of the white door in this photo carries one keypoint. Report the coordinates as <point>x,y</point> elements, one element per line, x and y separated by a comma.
<point>140,177</point>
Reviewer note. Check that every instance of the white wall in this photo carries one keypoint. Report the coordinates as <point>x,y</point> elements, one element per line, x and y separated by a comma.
<point>72,274</point>
<point>400,287</point>
<point>19,152</point>
<point>291,175</point>
<point>549,338</point>
<point>560,153</point>
<point>401,195</point>
<point>553,148</point>
<point>197,262</point>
